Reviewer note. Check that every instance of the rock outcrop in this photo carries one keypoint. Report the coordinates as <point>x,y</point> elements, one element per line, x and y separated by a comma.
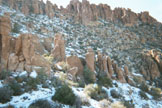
<point>150,68</point>
<point>90,59</point>
<point>59,48</point>
<point>85,12</point>
<point>74,61</point>
<point>5,28</point>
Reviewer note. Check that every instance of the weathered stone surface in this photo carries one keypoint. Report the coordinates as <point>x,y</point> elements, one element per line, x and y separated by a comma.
<point>59,48</point>
<point>102,65</point>
<point>73,71</point>
<point>90,59</point>
<point>13,62</point>
<point>120,75</point>
<point>74,61</point>
<point>151,67</point>
<point>146,18</point>
<point>109,65</point>
<point>47,43</point>
<point>49,10</point>
<point>29,49</point>
<point>5,28</point>
<point>21,67</point>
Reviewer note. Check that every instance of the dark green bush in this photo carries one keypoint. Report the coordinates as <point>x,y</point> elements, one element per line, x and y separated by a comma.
<point>115,94</point>
<point>105,81</point>
<point>42,76</point>
<point>88,76</point>
<point>16,87</point>
<point>64,95</point>
<point>143,95</point>
<point>41,104</point>
<point>5,94</point>
<point>95,92</point>
<point>144,87</point>
<point>4,74</point>
<point>33,82</point>
<point>16,28</point>
<point>129,104</point>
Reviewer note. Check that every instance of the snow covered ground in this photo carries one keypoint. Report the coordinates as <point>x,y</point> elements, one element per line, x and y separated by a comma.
<point>24,100</point>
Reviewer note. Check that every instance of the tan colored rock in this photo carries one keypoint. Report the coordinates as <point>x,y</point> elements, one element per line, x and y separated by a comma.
<point>109,65</point>
<point>74,61</point>
<point>47,43</point>
<point>13,62</point>
<point>49,10</point>
<point>120,75</point>
<point>102,65</point>
<point>144,73</point>
<point>21,67</point>
<point>146,18</point>
<point>90,59</point>
<point>59,48</point>
<point>150,66</point>
<point>5,28</point>
<point>73,71</point>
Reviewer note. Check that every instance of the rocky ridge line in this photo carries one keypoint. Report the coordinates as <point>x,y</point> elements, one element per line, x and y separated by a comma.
<point>83,12</point>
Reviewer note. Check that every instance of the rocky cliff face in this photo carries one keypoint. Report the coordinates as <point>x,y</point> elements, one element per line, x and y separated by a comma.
<point>83,12</point>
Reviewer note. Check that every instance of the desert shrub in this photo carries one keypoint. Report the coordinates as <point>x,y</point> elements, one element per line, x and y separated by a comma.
<point>129,104</point>
<point>88,76</point>
<point>95,92</point>
<point>144,87</point>
<point>16,28</point>
<point>5,94</point>
<point>48,58</point>
<point>21,79</point>
<point>156,93</point>
<point>64,95</point>
<point>55,81</point>
<point>9,106</point>
<point>115,94</point>
<point>104,81</point>
<point>41,104</point>
<point>117,105</point>
<point>31,84</point>
<point>143,95</point>
<point>81,83</point>
<point>4,74</point>
<point>42,76</point>
<point>16,87</point>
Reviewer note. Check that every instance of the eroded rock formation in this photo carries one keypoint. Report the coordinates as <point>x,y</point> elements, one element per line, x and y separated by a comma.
<point>59,48</point>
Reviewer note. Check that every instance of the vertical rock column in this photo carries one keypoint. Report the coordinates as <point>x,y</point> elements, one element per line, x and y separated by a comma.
<point>109,65</point>
<point>5,28</point>
<point>59,48</point>
<point>90,59</point>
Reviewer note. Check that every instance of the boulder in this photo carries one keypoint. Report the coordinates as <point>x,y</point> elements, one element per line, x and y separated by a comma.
<point>74,61</point>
